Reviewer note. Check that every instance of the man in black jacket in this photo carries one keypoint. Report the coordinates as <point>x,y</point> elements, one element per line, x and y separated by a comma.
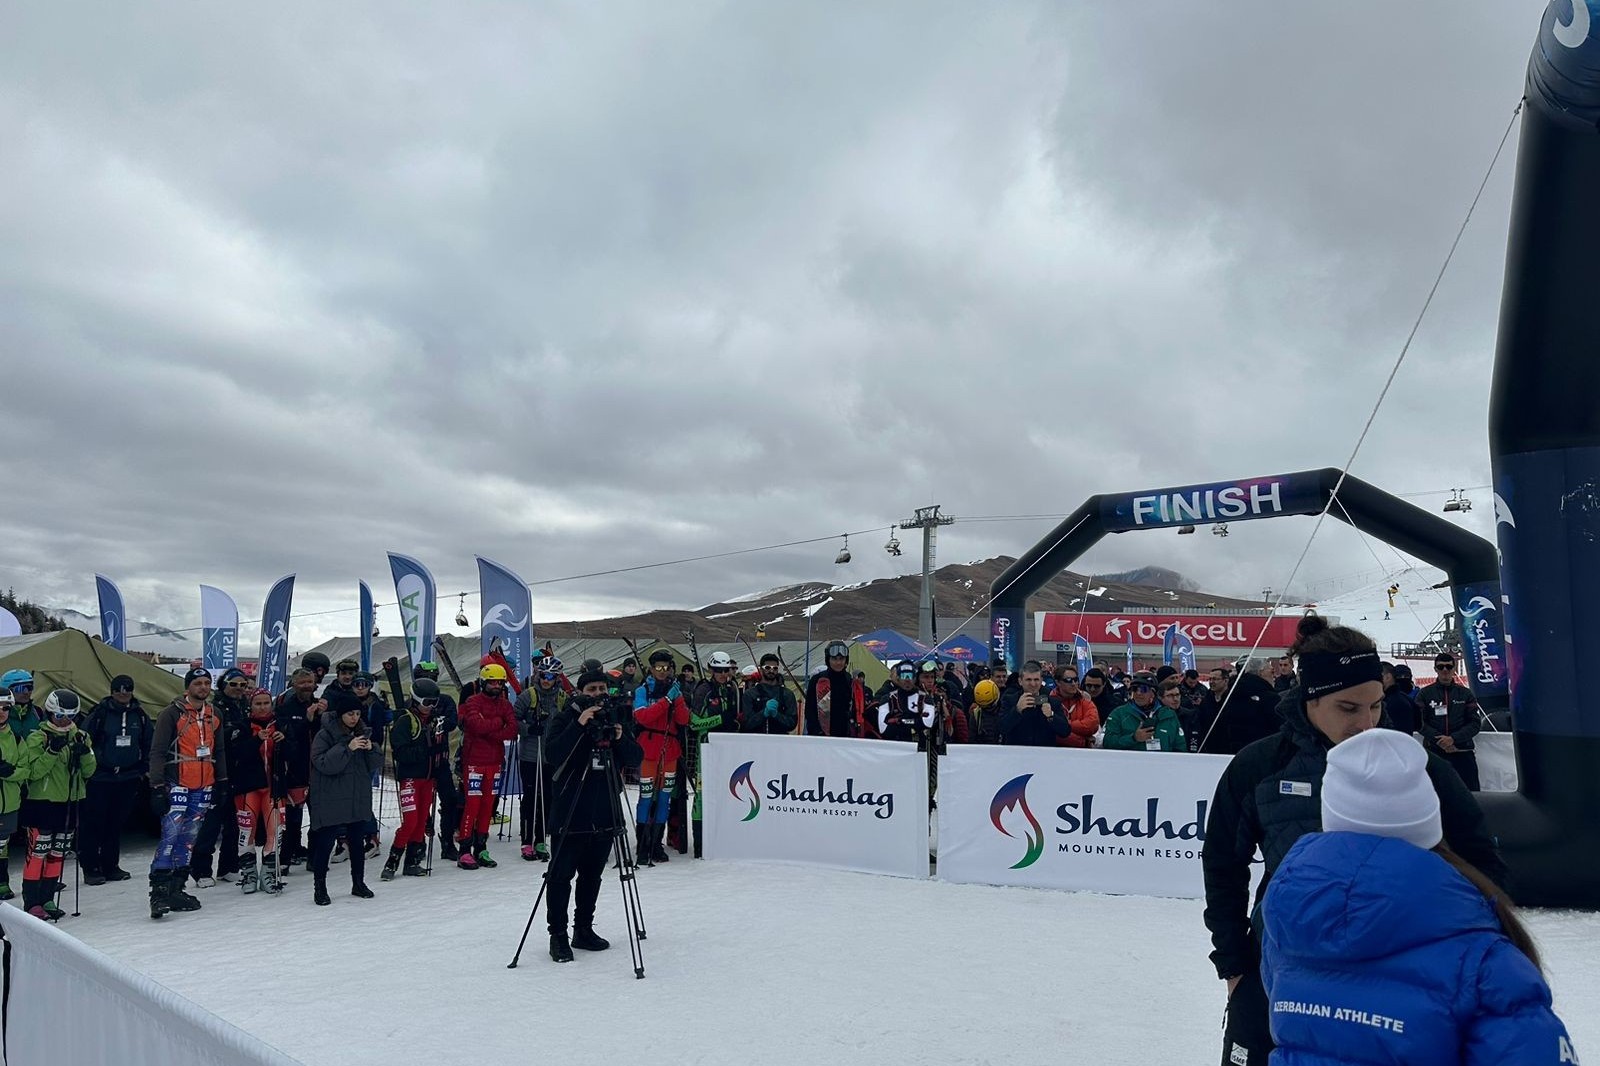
<point>585,780</point>
<point>1097,686</point>
<point>1268,798</point>
<point>120,731</point>
<point>1449,720</point>
<point>298,714</point>
<point>1028,717</point>
<point>1400,708</point>
<point>1248,714</point>
<point>769,704</point>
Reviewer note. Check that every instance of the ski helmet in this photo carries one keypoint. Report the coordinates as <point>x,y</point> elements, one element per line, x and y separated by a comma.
<point>16,679</point>
<point>7,700</point>
<point>61,704</point>
<point>663,656</point>
<point>720,660</point>
<point>548,664</point>
<point>838,650</point>
<point>492,672</point>
<point>363,678</point>
<point>749,673</point>
<point>986,693</point>
<point>315,660</point>
<point>424,689</point>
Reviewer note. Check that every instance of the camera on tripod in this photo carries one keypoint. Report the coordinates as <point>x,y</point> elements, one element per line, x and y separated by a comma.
<point>608,711</point>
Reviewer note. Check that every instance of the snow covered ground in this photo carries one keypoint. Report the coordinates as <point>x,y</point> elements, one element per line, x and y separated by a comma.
<point>745,963</point>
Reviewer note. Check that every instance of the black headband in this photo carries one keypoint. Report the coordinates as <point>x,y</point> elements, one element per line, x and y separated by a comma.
<point>1325,672</point>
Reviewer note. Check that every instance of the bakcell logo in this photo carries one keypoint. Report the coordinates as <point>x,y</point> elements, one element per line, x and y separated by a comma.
<point>1114,627</point>
<point>741,777</point>
<point>1013,795</point>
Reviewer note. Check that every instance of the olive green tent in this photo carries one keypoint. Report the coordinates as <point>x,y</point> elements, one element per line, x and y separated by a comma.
<point>70,659</point>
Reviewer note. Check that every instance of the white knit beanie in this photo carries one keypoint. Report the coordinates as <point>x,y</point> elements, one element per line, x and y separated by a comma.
<point>1377,782</point>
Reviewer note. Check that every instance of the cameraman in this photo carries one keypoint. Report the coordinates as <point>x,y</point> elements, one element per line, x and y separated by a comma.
<point>584,805</point>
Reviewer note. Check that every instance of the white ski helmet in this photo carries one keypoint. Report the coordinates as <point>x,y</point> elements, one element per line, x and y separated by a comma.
<point>720,660</point>
<point>61,703</point>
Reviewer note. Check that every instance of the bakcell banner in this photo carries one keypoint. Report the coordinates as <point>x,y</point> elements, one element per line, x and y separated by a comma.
<point>419,605</point>
<point>507,615</point>
<point>369,620</point>
<point>272,663</point>
<point>1211,631</point>
<point>219,629</point>
<point>1125,822</point>
<point>820,801</point>
<point>113,631</point>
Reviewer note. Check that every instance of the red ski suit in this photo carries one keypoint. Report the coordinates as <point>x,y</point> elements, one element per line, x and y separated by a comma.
<point>487,723</point>
<point>659,723</point>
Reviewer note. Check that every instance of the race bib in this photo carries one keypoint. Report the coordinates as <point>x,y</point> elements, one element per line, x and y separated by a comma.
<point>474,784</point>
<point>408,798</point>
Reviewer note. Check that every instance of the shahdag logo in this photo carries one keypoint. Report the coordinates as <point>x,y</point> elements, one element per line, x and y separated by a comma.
<point>1476,606</point>
<point>1013,795</point>
<point>741,779</point>
<point>500,615</point>
<point>111,624</point>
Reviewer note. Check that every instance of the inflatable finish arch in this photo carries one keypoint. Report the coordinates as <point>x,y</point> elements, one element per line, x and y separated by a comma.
<point>1468,559</point>
<point>1544,443</point>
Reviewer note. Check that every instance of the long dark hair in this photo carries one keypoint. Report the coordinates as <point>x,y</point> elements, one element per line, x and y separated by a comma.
<point>1504,909</point>
<point>1315,635</point>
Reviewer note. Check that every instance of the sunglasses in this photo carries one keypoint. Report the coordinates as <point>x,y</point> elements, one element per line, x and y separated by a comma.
<point>1094,684</point>
<point>547,676</point>
<point>722,669</point>
<point>1445,668</point>
<point>235,683</point>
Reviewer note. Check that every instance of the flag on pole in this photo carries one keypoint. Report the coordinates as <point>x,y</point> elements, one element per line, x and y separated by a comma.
<point>506,617</point>
<point>219,629</point>
<point>1185,652</point>
<point>272,661</point>
<point>368,621</point>
<point>419,605</point>
<point>1168,643</point>
<point>1080,651</point>
<point>112,630</point>
<point>1130,651</point>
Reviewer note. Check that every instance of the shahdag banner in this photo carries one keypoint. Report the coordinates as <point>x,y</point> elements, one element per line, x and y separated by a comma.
<point>219,629</point>
<point>113,628</point>
<point>506,616</point>
<point>1124,822</point>
<point>272,660</point>
<point>369,618</point>
<point>419,605</point>
<point>820,801</point>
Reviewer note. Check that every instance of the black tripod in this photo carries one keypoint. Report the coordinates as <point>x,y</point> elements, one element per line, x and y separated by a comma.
<point>621,851</point>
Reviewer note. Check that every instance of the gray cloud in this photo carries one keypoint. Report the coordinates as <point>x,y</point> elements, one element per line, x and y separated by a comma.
<point>579,288</point>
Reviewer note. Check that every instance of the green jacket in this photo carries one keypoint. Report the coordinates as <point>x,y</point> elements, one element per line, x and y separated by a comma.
<point>1127,719</point>
<point>52,775</point>
<point>10,783</point>
<point>24,724</point>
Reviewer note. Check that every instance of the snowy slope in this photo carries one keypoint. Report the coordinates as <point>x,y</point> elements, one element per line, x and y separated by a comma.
<point>745,963</point>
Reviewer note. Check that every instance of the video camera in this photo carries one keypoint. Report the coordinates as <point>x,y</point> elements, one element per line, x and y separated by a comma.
<point>609,711</point>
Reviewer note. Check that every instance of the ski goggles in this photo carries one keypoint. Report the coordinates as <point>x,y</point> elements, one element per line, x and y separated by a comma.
<point>548,675</point>
<point>428,666</point>
<point>361,682</point>
<point>429,703</point>
<point>838,651</point>
<point>28,687</point>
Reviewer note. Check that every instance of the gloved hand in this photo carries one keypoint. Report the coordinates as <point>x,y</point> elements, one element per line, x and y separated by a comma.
<point>6,769</point>
<point>55,742</point>
<point>160,801</point>
<point>673,693</point>
<point>771,709</point>
<point>80,743</point>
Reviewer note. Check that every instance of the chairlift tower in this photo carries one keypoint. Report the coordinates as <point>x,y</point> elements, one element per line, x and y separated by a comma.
<point>928,519</point>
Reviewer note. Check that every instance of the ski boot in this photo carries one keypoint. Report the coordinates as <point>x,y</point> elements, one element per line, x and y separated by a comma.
<point>160,904</point>
<point>447,847</point>
<point>52,911</point>
<point>248,881</point>
<point>272,875</point>
<point>414,867</point>
<point>177,898</point>
<point>527,853</point>
<point>485,860</point>
<point>641,846</point>
<point>39,912</point>
<point>658,854</point>
<point>392,865</point>
<point>541,851</point>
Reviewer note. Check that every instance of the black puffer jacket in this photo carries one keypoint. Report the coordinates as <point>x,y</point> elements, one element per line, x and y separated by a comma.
<point>341,779</point>
<point>420,745</point>
<point>298,731</point>
<point>1269,797</point>
<point>1249,713</point>
<point>568,749</point>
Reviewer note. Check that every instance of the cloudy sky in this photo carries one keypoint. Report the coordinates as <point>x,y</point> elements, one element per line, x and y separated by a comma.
<point>584,286</point>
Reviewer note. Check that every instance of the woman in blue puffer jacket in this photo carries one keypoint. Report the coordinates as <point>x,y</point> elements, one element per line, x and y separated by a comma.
<point>1382,946</point>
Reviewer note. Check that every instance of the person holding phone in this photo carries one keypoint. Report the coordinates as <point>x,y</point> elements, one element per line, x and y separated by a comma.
<point>343,760</point>
<point>1028,716</point>
<point>1147,722</point>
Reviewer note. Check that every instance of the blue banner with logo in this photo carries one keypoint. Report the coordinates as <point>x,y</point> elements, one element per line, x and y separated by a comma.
<point>272,665</point>
<point>112,628</point>
<point>1222,501</point>
<point>419,605</point>
<point>1184,647</point>
<point>219,630</point>
<point>1168,644</point>
<point>369,622</point>
<point>1005,636</point>
<point>1084,657</point>
<point>1130,651</point>
<point>507,615</point>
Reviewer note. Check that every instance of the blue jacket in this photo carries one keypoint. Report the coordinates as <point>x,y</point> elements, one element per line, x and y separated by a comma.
<point>1375,951</point>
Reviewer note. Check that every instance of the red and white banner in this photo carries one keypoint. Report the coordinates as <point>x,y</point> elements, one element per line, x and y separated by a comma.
<point>1208,631</point>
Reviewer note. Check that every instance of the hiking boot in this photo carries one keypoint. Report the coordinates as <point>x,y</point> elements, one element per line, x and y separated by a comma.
<point>320,894</point>
<point>391,866</point>
<point>542,851</point>
<point>447,848</point>
<point>560,949</point>
<point>116,873</point>
<point>95,878</point>
<point>584,938</point>
<point>361,891</point>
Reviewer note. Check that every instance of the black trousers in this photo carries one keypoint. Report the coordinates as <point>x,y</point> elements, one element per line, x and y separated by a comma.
<point>444,786</point>
<point>584,854</point>
<point>219,825</point>
<point>107,806</point>
<point>1466,765</point>
<point>322,841</point>
<point>1247,1035</point>
<point>532,807</point>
